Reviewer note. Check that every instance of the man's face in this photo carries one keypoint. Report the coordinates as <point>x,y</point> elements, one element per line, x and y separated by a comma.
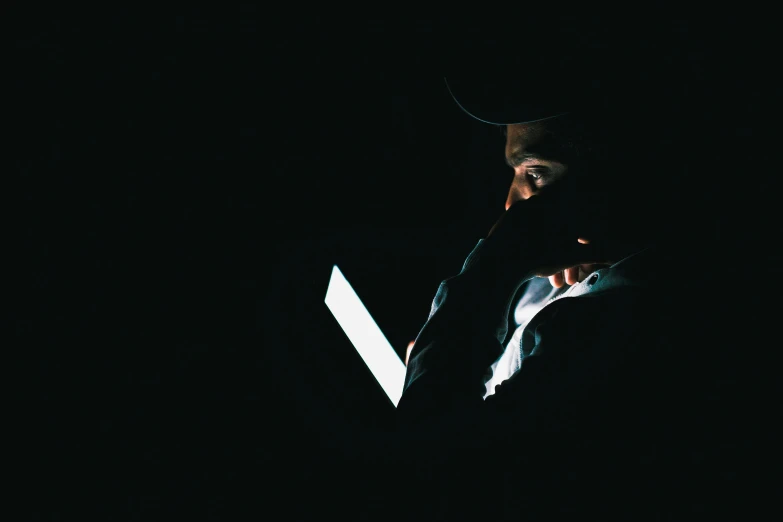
<point>534,151</point>
<point>540,154</point>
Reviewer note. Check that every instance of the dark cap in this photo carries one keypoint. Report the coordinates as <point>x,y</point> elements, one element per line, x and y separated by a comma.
<point>542,71</point>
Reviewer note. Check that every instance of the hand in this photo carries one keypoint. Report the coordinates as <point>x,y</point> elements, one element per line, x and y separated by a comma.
<point>575,274</point>
<point>546,235</point>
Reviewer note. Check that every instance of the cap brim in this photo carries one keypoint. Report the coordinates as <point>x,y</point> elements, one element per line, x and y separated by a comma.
<point>493,104</point>
<point>495,81</point>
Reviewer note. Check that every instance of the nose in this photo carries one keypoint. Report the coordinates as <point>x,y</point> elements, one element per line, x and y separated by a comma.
<point>519,190</point>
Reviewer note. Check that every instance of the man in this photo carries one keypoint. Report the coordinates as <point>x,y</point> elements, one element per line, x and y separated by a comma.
<point>532,174</point>
<point>623,399</point>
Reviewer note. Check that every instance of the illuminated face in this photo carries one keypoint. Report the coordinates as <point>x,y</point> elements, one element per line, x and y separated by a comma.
<point>535,152</point>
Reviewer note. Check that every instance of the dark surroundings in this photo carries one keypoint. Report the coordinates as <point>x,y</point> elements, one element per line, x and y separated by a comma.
<point>182,183</point>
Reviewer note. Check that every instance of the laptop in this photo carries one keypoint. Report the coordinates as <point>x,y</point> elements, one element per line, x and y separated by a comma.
<point>365,335</point>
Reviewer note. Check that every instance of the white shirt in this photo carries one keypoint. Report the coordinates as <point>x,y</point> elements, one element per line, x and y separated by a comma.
<point>537,294</point>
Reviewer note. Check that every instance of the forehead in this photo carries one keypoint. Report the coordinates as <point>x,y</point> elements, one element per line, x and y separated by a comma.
<point>563,126</point>
<point>547,138</point>
<point>525,131</point>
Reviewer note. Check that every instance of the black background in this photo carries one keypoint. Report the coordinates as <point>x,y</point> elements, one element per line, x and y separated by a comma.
<point>183,182</point>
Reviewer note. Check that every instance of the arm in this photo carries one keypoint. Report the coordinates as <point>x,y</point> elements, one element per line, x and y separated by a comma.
<point>468,322</point>
<point>461,338</point>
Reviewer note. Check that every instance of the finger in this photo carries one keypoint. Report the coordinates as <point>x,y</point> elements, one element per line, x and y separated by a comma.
<point>408,352</point>
<point>557,280</point>
<point>572,275</point>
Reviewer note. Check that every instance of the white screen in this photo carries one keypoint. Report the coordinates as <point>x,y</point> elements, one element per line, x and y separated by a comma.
<point>367,338</point>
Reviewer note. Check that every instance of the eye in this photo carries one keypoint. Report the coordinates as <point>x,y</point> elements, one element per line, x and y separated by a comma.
<point>537,173</point>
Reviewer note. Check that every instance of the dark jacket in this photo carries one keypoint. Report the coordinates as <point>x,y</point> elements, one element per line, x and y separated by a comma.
<point>631,400</point>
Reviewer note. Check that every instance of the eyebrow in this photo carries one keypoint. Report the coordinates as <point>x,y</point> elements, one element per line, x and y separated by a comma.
<point>515,159</point>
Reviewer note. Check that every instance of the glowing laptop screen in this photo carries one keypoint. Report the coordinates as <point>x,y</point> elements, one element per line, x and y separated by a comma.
<point>366,336</point>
